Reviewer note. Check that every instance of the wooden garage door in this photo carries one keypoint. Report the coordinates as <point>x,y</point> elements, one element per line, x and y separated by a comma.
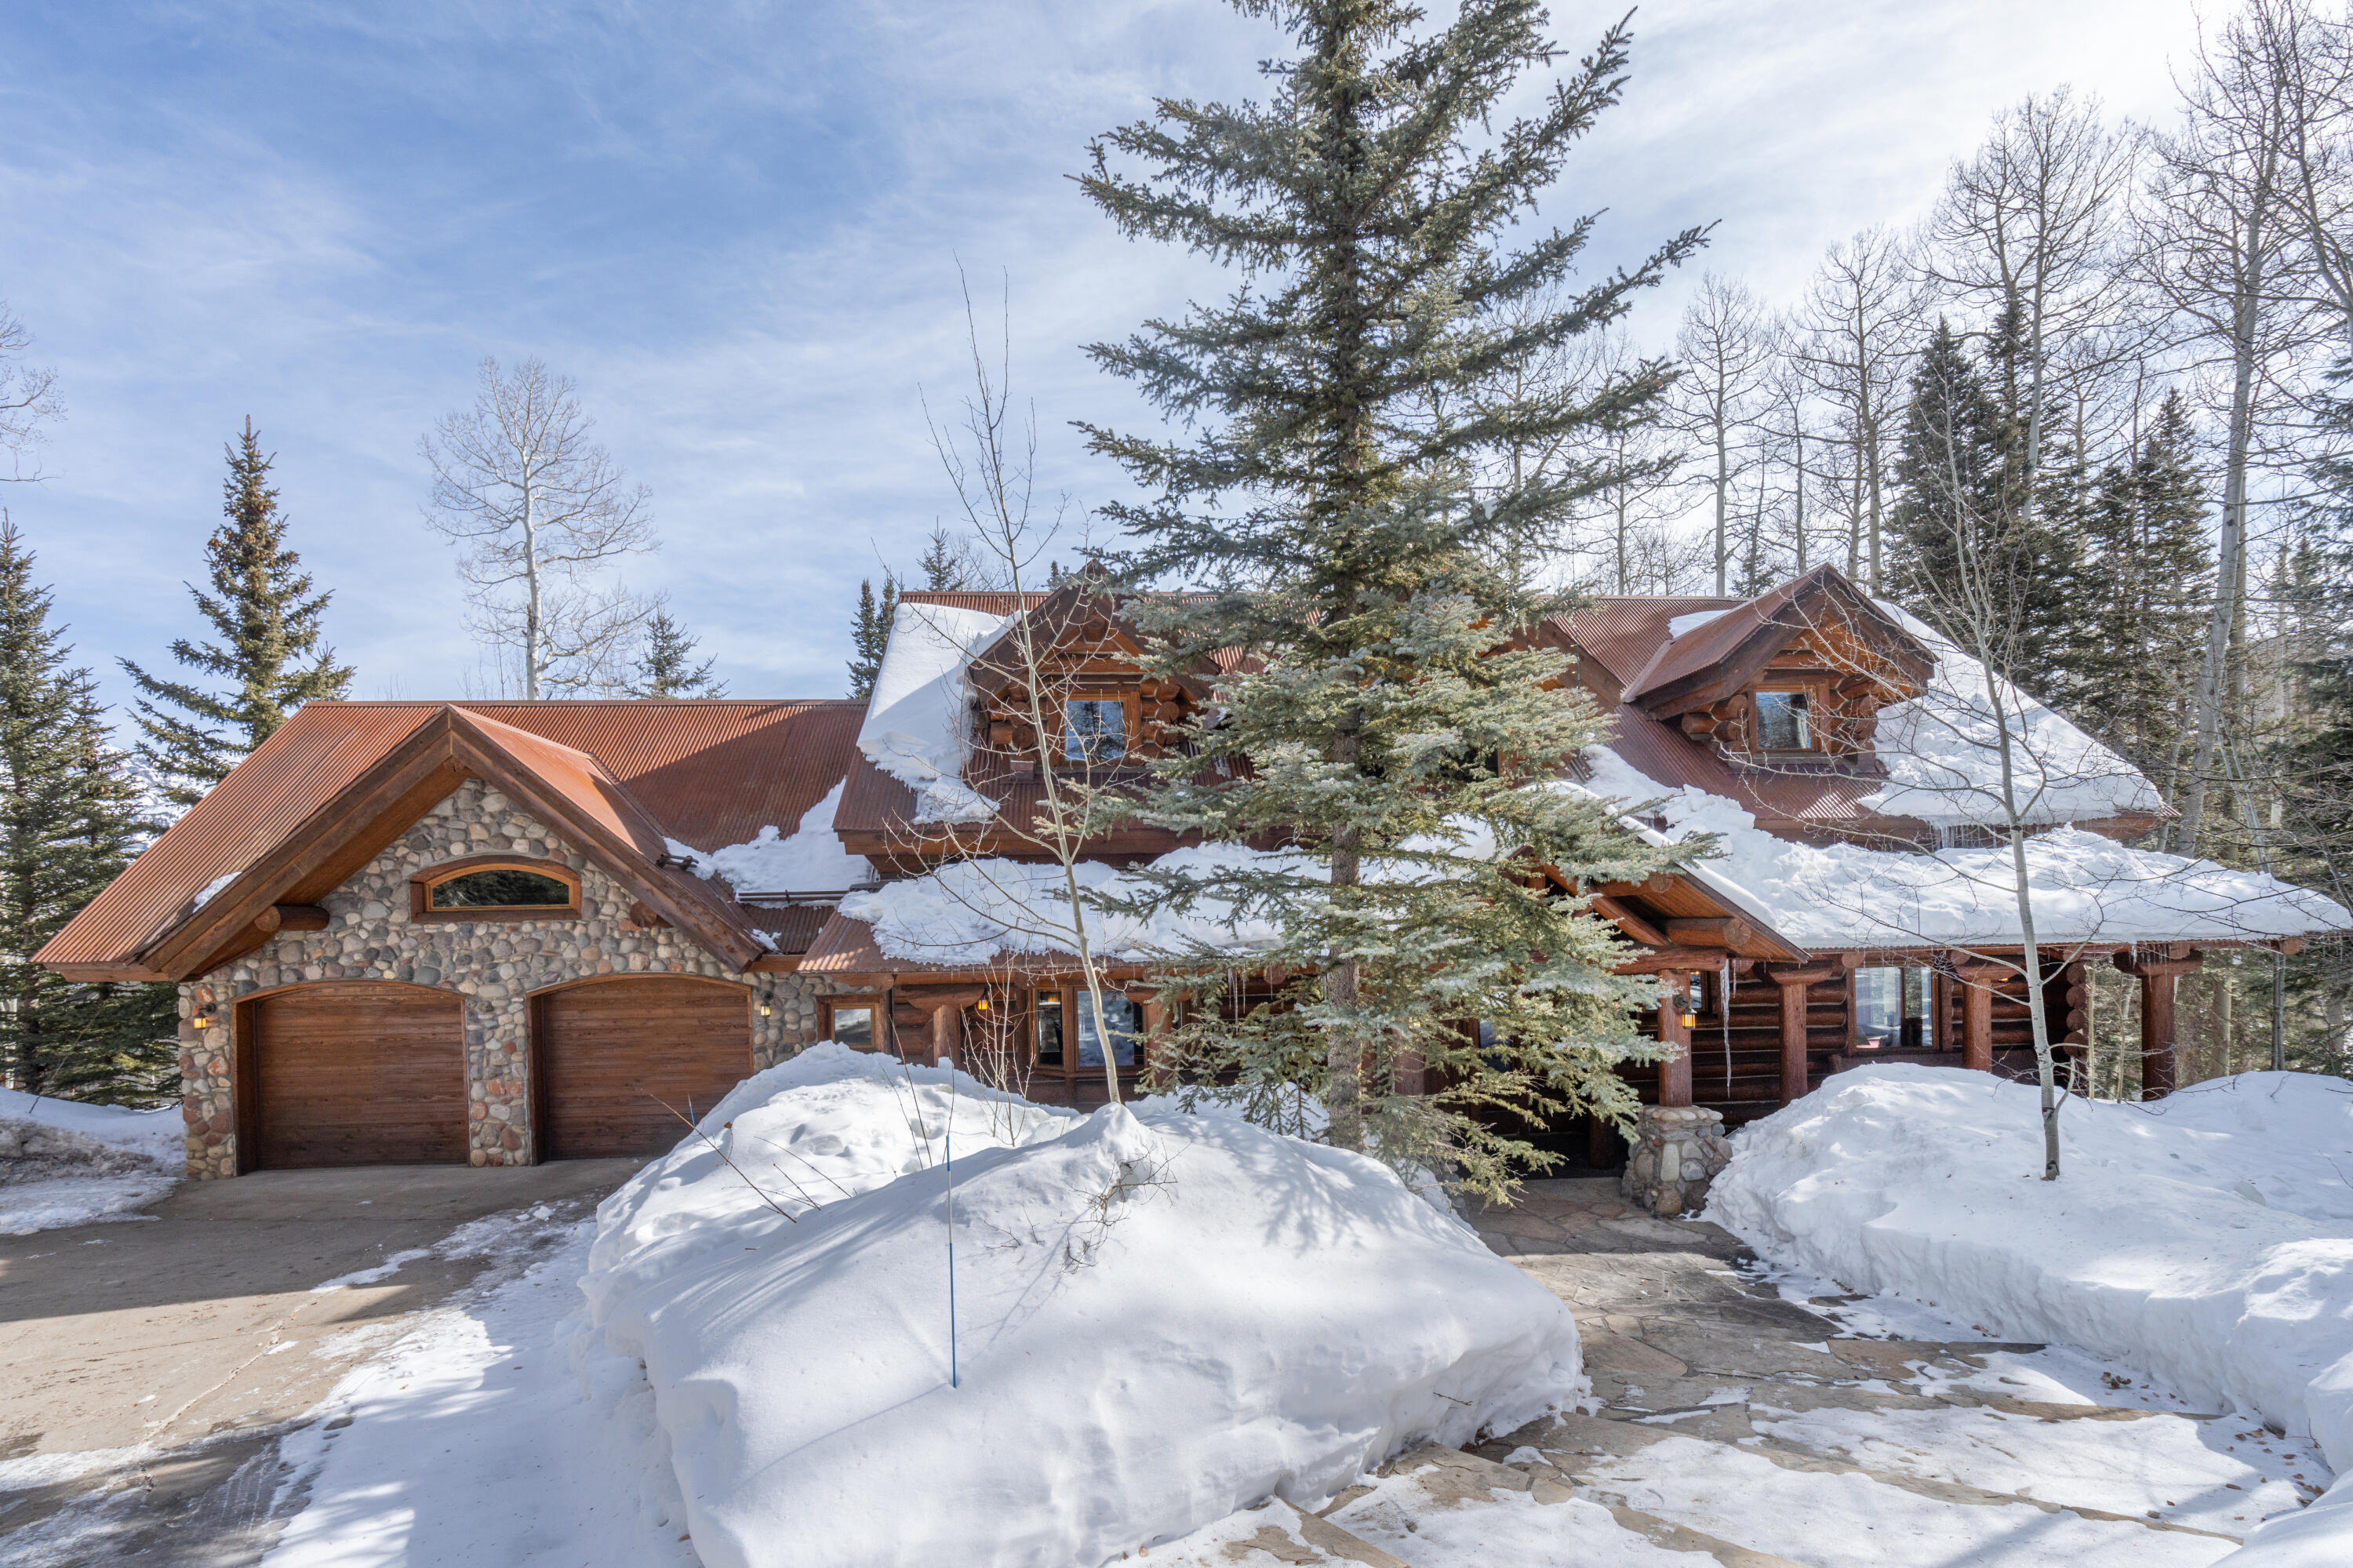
<point>608,1054</point>
<point>357,1075</point>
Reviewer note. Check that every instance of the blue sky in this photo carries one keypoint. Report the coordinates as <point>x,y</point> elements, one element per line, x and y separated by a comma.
<point>738,226</point>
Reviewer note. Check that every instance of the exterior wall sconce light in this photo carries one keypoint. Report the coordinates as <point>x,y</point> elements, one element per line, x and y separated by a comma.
<point>1690,1019</point>
<point>982,1005</point>
<point>765,1010</point>
<point>203,1018</point>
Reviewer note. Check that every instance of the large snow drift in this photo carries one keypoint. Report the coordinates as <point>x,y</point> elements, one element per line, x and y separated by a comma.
<point>2208,1237</point>
<point>1159,1318</point>
<point>2084,887</point>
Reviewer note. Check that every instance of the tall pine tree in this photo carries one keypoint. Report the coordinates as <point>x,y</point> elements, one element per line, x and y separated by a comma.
<point>271,649</point>
<point>1390,730</point>
<point>1961,542</point>
<point>869,633</point>
<point>665,666</point>
<point>69,824</point>
<point>2148,577</point>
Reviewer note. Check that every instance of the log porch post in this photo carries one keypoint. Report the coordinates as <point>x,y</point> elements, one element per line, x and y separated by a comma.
<point>1674,1073</point>
<point>2156,975</point>
<point>1977,1019</point>
<point>1796,985</point>
<point>948,1034</point>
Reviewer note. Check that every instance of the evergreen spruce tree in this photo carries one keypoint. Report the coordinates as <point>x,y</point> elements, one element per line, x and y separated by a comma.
<point>2139,626</point>
<point>1960,540</point>
<point>943,565</point>
<point>271,651</point>
<point>665,666</point>
<point>1393,726</point>
<point>69,824</point>
<point>871,634</point>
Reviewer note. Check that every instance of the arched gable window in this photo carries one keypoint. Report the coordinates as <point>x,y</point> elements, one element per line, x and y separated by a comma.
<point>495,887</point>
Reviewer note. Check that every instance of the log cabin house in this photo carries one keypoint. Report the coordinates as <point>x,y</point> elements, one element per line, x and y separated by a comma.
<point>506,932</point>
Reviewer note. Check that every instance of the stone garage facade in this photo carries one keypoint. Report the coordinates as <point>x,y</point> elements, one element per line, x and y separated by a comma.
<point>495,968</point>
<point>335,1009</point>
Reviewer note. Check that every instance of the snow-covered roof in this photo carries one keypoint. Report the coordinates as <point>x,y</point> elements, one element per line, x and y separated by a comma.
<point>809,860</point>
<point>1942,751</point>
<point>913,728</point>
<point>2083,887</point>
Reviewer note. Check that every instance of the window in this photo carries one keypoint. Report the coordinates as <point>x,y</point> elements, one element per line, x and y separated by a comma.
<point>1894,1010</point>
<point>853,1026</point>
<point>1049,1028</point>
<point>1783,723</point>
<point>508,887</point>
<point>1125,1021</point>
<point>1094,729</point>
<point>488,889</point>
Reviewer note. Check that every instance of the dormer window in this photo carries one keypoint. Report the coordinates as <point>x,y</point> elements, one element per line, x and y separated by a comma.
<point>1094,729</point>
<point>1783,721</point>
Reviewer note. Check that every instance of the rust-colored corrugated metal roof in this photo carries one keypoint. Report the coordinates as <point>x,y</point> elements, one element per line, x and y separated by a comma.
<point>1732,646</point>
<point>709,772</point>
<point>992,601</point>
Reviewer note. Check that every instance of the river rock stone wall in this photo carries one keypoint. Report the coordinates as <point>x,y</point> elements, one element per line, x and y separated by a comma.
<point>1677,1151</point>
<point>494,965</point>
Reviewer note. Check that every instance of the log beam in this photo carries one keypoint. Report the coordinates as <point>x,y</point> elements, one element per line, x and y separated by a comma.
<point>301,918</point>
<point>1713,931</point>
<point>1634,925</point>
<point>1675,1072</point>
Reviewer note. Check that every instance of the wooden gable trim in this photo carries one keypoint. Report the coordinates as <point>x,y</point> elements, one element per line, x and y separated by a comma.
<point>618,857</point>
<point>349,831</point>
<point>321,853</point>
<point>1746,660</point>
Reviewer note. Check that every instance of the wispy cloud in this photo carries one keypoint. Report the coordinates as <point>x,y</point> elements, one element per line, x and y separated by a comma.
<point>739,227</point>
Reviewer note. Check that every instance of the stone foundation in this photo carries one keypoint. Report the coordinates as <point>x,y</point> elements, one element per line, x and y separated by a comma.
<point>1677,1151</point>
<point>494,965</point>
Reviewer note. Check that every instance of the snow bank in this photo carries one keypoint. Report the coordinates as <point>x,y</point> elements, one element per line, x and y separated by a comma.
<point>2208,1237</point>
<point>915,718</point>
<point>2084,887</point>
<point>1160,1319</point>
<point>154,1133</point>
<point>66,1163</point>
<point>1943,761</point>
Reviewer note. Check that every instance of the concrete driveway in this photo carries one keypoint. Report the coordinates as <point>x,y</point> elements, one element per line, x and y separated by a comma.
<point>148,1367</point>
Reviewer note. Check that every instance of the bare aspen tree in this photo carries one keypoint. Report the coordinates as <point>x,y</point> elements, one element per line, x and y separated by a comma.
<point>544,516</point>
<point>28,398</point>
<point>1724,352</point>
<point>990,458</point>
<point>1852,340</point>
<point>2028,232</point>
<point>2310,54</point>
<point>2221,246</point>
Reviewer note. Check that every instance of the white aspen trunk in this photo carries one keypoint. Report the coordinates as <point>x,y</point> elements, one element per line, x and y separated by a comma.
<point>533,632</point>
<point>2230,548</point>
<point>2045,1066</point>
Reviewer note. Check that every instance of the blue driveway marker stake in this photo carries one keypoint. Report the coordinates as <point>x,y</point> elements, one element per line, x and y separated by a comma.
<point>949,1138</point>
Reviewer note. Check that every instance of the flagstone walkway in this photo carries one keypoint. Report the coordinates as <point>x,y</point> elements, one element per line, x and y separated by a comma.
<point>1761,1422</point>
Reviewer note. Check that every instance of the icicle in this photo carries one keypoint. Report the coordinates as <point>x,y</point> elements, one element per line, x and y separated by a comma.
<point>1723,1015</point>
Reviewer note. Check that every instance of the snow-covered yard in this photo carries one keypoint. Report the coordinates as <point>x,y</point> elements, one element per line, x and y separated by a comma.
<point>2207,1237</point>
<point>1185,1335</point>
<point>66,1163</point>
